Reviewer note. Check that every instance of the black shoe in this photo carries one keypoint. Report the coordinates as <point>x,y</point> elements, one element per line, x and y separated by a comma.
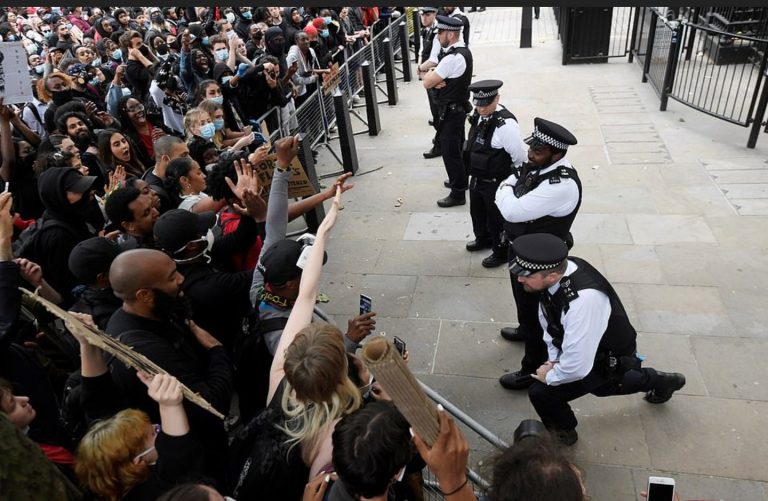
<point>513,334</point>
<point>668,383</point>
<point>476,245</point>
<point>447,184</point>
<point>517,380</point>
<point>565,437</point>
<point>481,9</point>
<point>431,123</point>
<point>433,153</point>
<point>449,201</point>
<point>494,261</point>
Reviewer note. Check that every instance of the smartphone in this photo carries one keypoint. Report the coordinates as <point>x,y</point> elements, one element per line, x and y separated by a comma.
<point>366,304</point>
<point>661,489</point>
<point>400,345</point>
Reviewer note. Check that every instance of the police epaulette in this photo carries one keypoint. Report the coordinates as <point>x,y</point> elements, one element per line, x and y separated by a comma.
<point>568,291</point>
<point>500,121</point>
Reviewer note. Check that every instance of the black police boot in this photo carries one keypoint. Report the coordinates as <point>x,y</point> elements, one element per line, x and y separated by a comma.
<point>431,122</point>
<point>517,380</point>
<point>513,334</point>
<point>432,153</point>
<point>565,437</point>
<point>449,201</point>
<point>447,184</point>
<point>494,260</point>
<point>481,9</point>
<point>477,244</point>
<point>668,383</point>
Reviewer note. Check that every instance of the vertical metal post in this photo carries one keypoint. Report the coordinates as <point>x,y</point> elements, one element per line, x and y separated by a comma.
<point>526,28</point>
<point>669,73</point>
<point>635,22</point>
<point>761,104</point>
<point>565,31</point>
<point>316,215</point>
<point>692,34</point>
<point>389,71</point>
<point>406,58</point>
<point>346,135</point>
<point>371,101</point>
<point>649,47</point>
<point>416,34</point>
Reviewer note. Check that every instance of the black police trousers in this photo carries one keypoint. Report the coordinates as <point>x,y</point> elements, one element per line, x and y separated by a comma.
<point>551,402</point>
<point>527,305</point>
<point>451,142</point>
<point>487,221</point>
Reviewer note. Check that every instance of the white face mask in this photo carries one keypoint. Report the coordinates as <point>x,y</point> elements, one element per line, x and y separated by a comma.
<point>208,238</point>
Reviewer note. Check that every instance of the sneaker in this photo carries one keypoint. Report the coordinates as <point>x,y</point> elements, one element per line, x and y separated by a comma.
<point>517,380</point>
<point>668,383</point>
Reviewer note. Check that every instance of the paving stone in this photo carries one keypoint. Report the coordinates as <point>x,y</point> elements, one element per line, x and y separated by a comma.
<point>751,207</point>
<point>391,294</point>
<point>746,308</point>
<point>703,487</point>
<point>617,199</point>
<point>420,336</point>
<point>635,147</point>
<point>371,225</point>
<point>607,481</point>
<point>702,200</point>
<point>638,157</point>
<point>747,231</point>
<point>631,264</point>
<point>667,228</point>
<point>740,176</point>
<point>601,229</point>
<point>673,353</point>
<point>352,256</point>
<point>745,191</point>
<point>739,163</point>
<point>742,375</point>
<point>451,298</point>
<point>455,225</point>
<point>692,310</point>
<point>685,174</point>
<point>476,349</point>
<point>412,257</point>
<point>476,268</point>
<point>702,264</point>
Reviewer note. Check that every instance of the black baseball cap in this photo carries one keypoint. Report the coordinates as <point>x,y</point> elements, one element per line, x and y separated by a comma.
<point>91,257</point>
<point>278,264</point>
<point>177,227</point>
<point>75,182</point>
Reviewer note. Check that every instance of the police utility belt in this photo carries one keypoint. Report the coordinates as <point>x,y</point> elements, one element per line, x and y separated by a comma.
<point>444,109</point>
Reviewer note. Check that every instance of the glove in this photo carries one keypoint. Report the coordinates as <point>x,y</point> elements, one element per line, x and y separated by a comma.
<point>241,69</point>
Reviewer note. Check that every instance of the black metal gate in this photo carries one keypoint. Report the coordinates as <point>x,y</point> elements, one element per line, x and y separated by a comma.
<point>594,34</point>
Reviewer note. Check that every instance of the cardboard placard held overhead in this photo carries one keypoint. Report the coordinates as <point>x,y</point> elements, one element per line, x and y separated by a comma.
<point>298,185</point>
<point>15,82</point>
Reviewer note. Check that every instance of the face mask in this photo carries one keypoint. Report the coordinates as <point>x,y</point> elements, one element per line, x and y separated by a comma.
<point>161,49</point>
<point>11,38</point>
<point>84,16</point>
<point>62,97</point>
<point>37,37</point>
<point>327,19</point>
<point>207,131</point>
<point>31,49</point>
<point>247,15</point>
<point>222,54</point>
<point>96,62</point>
<point>218,99</point>
<point>40,68</point>
<point>47,34</point>
<point>231,34</point>
<point>205,253</point>
<point>218,123</point>
<point>69,26</point>
<point>276,47</point>
<point>225,80</point>
<point>95,81</point>
<point>205,41</point>
<point>230,17</point>
<point>117,54</point>
<point>324,33</point>
<point>82,206</point>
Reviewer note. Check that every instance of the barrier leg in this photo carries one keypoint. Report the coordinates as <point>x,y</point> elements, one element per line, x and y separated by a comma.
<point>316,215</point>
<point>371,102</point>
<point>389,71</point>
<point>346,136</point>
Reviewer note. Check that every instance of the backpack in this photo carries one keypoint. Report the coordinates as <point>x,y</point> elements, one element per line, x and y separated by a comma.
<point>24,245</point>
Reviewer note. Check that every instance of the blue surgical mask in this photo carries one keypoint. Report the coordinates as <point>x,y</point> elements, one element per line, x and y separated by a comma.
<point>95,81</point>
<point>10,38</point>
<point>222,54</point>
<point>40,68</point>
<point>218,99</point>
<point>218,123</point>
<point>126,91</point>
<point>69,26</point>
<point>205,41</point>
<point>327,19</point>
<point>31,49</point>
<point>247,15</point>
<point>325,33</point>
<point>96,62</point>
<point>207,131</point>
<point>117,54</point>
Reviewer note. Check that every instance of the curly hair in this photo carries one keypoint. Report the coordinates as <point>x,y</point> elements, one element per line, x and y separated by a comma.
<point>105,455</point>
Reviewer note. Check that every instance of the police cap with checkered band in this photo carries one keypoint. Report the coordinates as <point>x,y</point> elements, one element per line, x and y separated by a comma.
<point>550,134</point>
<point>445,23</point>
<point>485,91</point>
<point>537,252</point>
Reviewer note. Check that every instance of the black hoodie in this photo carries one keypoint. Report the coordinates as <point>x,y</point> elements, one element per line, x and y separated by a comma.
<point>51,247</point>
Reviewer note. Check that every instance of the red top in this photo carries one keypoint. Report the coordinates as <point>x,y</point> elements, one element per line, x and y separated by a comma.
<point>149,146</point>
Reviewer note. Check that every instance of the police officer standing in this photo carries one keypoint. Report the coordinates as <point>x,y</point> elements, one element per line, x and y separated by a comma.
<point>542,196</point>
<point>591,344</point>
<point>493,148</point>
<point>451,78</point>
<point>429,59</point>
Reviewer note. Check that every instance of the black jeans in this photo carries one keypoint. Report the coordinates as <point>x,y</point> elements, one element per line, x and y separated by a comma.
<point>527,305</point>
<point>551,402</point>
<point>451,142</point>
<point>487,221</point>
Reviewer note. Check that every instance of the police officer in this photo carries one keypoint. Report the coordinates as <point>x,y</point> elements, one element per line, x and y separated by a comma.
<point>493,148</point>
<point>429,59</point>
<point>451,78</point>
<point>544,195</point>
<point>591,343</point>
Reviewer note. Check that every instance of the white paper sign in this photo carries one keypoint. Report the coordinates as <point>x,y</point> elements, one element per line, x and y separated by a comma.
<point>15,82</point>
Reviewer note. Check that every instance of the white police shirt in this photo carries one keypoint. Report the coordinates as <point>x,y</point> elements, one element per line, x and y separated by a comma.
<point>547,199</point>
<point>436,48</point>
<point>584,324</point>
<point>452,65</point>
<point>508,137</point>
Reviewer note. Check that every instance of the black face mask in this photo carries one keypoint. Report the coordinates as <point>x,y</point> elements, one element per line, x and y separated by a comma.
<point>162,49</point>
<point>175,309</point>
<point>82,206</point>
<point>61,97</point>
<point>276,46</point>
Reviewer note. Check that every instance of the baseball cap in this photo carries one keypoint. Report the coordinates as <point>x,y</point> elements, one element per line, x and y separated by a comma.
<point>91,257</point>
<point>75,182</point>
<point>279,263</point>
<point>177,227</point>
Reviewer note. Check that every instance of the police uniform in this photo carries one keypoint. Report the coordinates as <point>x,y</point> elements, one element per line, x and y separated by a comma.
<point>589,337</point>
<point>430,52</point>
<point>455,68</point>
<point>537,199</point>
<point>493,148</point>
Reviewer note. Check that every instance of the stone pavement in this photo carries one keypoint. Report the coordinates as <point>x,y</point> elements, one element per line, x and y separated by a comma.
<point>674,214</point>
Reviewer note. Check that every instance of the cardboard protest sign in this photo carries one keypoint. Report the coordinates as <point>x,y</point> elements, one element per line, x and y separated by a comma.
<point>298,186</point>
<point>15,82</point>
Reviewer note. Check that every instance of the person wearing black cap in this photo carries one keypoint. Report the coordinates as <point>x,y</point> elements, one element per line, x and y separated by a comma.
<point>591,343</point>
<point>451,78</point>
<point>89,262</point>
<point>493,148</point>
<point>456,13</point>
<point>543,195</point>
<point>429,59</point>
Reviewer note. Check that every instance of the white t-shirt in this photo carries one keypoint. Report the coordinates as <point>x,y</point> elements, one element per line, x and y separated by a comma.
<point>189,201</point>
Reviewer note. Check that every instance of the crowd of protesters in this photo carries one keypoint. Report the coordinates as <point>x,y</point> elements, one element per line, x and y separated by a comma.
<point>129,198</point>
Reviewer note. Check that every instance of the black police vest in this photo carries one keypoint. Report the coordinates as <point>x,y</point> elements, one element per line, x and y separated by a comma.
<point>619,338</point>
<point>456,90</point>
<point>427,39</point>
<point>486,162</point>
<point>528,180</point>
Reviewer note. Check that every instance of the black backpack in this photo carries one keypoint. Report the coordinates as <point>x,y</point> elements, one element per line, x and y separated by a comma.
<point>24,245</point>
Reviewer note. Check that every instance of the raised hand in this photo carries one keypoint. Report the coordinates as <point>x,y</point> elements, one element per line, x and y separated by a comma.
<point>162,388</point>
<point>287,148</point>
<point>330,192</point>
